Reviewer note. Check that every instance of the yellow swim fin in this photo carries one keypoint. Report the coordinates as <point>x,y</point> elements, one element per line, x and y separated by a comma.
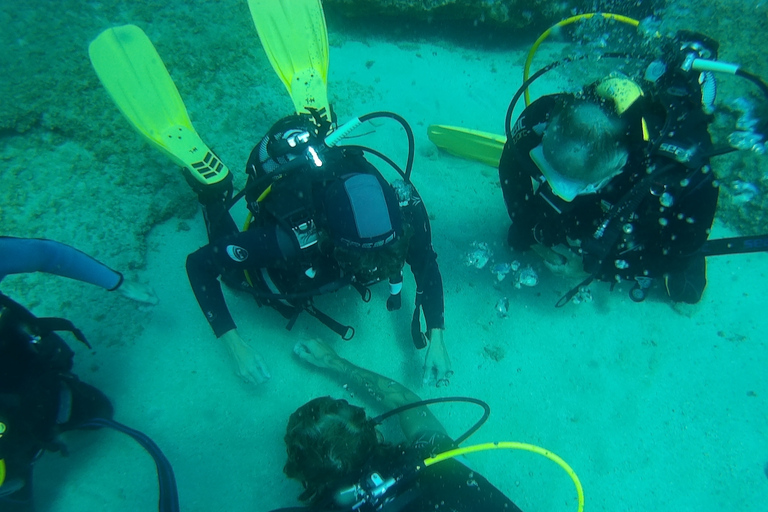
<point>138,82</point>
<point>295,38</point>
<point>465,143</point>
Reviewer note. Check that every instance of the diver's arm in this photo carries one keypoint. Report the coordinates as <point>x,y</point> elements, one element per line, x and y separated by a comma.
<point>516,169</point>
<point>429,289</point>
<point>389,393</point>
<point>423,261</point>
<point>24,255</point>
<point>518,198</point>
<point>260,247</point>
<point>251,366</point>
<point>203,276</point>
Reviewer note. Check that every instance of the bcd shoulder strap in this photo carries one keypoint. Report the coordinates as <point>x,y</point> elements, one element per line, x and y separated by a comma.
<point>16,320</point>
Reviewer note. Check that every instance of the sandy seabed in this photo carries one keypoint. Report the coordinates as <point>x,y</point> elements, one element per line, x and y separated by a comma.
<point>656,408</point>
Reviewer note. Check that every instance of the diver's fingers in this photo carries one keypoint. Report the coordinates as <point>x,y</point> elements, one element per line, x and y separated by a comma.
<point>264,372</point>
<point>302,350</point>
<point>138,292</point>
<point>430,375</point>
<point>256,370</point>
<point>259,375</point>
<point>299,348</point>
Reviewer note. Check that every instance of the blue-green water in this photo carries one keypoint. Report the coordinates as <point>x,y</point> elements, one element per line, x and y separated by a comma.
<point>654,407</point>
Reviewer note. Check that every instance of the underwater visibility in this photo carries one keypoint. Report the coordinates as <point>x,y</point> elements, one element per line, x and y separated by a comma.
<point>252,234</point>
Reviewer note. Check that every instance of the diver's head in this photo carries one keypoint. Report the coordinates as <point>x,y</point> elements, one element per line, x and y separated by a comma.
<point>364,222</point>
<point>328,442</point>
<point>288,138</point>
<point>582,148</point>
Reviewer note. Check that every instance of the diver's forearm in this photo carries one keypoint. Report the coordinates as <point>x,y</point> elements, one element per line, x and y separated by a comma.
<point>388,392</point>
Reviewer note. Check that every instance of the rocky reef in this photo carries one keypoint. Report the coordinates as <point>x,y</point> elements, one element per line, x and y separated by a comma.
<point>507,13</point>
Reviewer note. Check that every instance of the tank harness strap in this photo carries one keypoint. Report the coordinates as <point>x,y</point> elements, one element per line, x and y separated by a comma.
<point>40,326</point>
<point>364,291</point>
<point>345,331</point>
<point>565,299</point>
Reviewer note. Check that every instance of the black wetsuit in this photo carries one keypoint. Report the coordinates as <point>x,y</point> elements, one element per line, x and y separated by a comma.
<point>276,264</point>
<point>653,226</point>
<point>40,397</point>
<point>448,486</point>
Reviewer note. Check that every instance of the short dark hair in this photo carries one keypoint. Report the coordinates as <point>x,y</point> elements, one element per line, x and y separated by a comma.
<point>388,261</point>
<point>328,442</point>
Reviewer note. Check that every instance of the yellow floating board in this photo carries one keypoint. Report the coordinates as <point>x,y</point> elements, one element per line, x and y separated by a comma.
<point>483,147</point>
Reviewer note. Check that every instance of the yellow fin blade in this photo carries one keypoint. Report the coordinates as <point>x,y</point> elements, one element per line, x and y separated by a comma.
<point>483,147</point>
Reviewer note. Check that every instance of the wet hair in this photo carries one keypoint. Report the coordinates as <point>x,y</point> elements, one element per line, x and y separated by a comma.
<point>387,261</point>
<point>583,141</point>
<point>328,442</point>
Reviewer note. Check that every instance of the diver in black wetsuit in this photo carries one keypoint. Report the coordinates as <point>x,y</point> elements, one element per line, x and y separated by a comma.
<point>331,221</point>
<point>40,396</point>
<point>332,446</point>
<point>615,181</point>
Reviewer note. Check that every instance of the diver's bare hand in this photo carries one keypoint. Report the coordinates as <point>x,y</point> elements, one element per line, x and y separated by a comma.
<point>315,352</point>
<point>138,292</point>
<point>437,366</point>
<point>249,364</point>
<point>562,260</point>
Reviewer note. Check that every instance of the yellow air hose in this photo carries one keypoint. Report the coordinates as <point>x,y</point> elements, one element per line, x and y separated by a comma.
<point>2,461</point>
<point>508,445</point>
<point>568,21</point>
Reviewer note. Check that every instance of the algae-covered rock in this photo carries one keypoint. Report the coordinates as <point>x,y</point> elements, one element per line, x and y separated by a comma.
<point>507,13</point>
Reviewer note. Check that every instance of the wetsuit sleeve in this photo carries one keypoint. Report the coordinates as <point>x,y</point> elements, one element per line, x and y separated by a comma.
<point>253,249</point>
<point>423,261</point>
<point>25,255</point>
<point>515,170</point>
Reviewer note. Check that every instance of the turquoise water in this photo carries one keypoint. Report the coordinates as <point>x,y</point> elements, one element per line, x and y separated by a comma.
<point>654,407</point>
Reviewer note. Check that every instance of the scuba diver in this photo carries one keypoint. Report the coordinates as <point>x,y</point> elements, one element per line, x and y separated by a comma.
<point>40,396</point>
<point>339,457</point>
<point>617,177</point>
<point>321,216</point>
<point>315,229</point>
<point>614,182</point>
